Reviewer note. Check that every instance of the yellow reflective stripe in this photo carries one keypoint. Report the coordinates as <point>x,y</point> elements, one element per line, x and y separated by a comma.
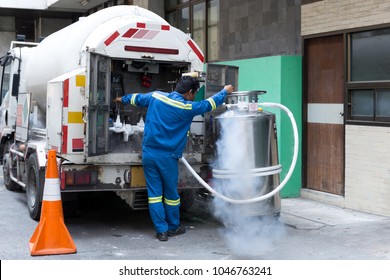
<point>132,101</point>
<point>75,117</point>
<point>212,103</point>
<point>155,199</point>
<point>80,80</point>
<point>172,102</point>
<point>172,202</point>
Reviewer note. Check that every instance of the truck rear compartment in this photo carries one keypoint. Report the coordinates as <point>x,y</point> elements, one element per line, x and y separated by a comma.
<point>115,164</point>
<point>131,76</point>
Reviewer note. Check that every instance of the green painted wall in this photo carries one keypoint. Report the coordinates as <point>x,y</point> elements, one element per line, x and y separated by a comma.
<point>281,77</point>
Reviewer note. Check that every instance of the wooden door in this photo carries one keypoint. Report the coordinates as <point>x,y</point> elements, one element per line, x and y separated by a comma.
<point>324,111</point>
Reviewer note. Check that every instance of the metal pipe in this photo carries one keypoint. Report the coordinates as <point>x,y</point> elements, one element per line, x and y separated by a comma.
<point>16,152</point>
<point>16,180</point>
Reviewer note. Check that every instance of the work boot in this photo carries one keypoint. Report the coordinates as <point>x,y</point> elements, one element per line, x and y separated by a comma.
<point>162,236</point>
<point>178,231</point>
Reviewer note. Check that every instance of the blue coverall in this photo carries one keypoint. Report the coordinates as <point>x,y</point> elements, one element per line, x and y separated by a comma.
<point>167,123</point>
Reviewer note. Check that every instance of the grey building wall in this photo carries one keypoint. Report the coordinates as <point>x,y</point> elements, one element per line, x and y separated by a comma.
<point>48,22</point>
<point>152,5</point>
<point>256,28</point>
<point>48,26</point>
<point>7,33</point>
<point>44,27</point>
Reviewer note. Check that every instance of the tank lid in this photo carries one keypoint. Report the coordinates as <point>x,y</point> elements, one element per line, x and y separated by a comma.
<point>244,100</point>
<point>248,92</point>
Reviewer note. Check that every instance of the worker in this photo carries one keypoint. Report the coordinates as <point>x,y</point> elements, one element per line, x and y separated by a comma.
<point>167,123</point>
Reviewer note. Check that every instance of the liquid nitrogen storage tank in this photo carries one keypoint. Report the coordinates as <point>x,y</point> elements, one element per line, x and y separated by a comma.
<point>246,164</point>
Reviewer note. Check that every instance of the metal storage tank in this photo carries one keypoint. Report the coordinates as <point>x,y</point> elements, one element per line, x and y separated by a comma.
<point>247,164</point>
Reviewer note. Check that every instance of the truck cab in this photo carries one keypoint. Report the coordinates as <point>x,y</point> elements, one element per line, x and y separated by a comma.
<point>13,66</point>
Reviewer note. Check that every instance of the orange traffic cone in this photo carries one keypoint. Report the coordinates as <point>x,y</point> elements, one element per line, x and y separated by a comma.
<point>51,236</point>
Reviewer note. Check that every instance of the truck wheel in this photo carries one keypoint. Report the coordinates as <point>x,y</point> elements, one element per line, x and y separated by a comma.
<point>5,150</point>
<point>34,187</point>
<point>7,165</point>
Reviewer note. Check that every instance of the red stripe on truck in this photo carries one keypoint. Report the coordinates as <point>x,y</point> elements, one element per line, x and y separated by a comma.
<point>141,33</point>
<point>151,34</point>
<point>66,93</point>
<point>129,33</point>
<point>141,25</point>
<point>196,50</point>
<point>77,145</point>
<point>64,148</point>
<point>151,50</point>
<point>111,38</point>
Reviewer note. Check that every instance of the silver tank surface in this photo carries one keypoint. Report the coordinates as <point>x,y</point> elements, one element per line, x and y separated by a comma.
<point>246,164</point>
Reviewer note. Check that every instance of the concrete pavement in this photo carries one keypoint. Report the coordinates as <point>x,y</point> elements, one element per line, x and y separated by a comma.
<point>309,214</point>
<point>306,230</point>
<point>323,231</point>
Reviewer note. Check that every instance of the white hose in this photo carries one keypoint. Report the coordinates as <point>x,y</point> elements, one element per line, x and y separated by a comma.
<point>281,185</point>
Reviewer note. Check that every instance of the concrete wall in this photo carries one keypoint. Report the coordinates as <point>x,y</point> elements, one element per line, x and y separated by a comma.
<point>367,169</point>
<point>281,77</point>
<point>333,15</point>
<point>259,28</point>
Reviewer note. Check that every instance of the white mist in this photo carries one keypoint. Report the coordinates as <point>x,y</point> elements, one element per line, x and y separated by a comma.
<point>247,232</point>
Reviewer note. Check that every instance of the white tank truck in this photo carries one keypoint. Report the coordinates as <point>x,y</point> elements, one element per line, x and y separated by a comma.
<point>58,95</point>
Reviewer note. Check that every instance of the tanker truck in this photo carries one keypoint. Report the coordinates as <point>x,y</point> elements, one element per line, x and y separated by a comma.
<point>58,95</point>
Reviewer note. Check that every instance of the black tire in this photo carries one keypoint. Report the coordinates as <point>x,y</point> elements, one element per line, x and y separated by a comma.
<point>8,182</point>
<point>5,150</point>
<point>34,187</point>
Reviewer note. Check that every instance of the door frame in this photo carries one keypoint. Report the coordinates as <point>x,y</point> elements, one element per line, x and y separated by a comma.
<point>305,113</point>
